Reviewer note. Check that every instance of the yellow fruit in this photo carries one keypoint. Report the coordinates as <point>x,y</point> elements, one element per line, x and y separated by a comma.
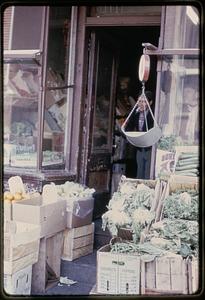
<point>6,194</point>
<point>17,196</point>
<point>9,196</point>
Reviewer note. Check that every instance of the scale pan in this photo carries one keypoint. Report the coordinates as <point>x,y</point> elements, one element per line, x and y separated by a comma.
<point>144,139</point>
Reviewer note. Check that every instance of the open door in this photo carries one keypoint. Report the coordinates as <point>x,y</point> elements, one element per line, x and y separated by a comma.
<point>101,86</point>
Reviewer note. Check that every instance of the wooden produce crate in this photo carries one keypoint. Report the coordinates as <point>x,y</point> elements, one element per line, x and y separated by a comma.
<point>46,271</point>
<point>117,273</point>
<point>50,216</point>
<point>168,275</point>
<point>78,242</point>
<point>21,248</point>
<point>80,213</point>
<point>179,182</point>
<point>18,283</point>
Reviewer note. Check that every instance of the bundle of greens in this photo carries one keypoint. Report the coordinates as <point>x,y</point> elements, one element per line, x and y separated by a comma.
<point>182,204</point>
<point>188,164</point>
<point>178,236</point>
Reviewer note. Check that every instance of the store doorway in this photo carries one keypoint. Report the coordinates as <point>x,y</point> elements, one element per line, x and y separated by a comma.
<point>116,50</point>
<point>128,86</point>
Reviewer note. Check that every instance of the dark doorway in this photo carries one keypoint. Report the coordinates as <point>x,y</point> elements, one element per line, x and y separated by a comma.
<point>129,43</point>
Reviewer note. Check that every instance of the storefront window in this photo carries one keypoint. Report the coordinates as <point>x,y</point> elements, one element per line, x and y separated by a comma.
<point>181,27</point>
<point>21,100</point>
<point>102,110</point>
<point>36,68</point>
<point>179,100</point>
<point>56,86</point>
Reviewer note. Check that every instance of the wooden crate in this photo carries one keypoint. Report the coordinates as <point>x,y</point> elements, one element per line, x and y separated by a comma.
<point>51,217</point>
<point>18,283</point>
<point>78,242</point>
<point>48,262</point>
<point>179,182</point>
<point>21,247</point>
<point>117,273</point>
<point>168,275</point>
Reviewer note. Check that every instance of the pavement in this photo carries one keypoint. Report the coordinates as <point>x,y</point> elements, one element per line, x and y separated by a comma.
<point>81,270</point>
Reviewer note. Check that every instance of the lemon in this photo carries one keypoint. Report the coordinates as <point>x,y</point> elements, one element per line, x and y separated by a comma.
<point>17,196</point>
<point>9,196</point>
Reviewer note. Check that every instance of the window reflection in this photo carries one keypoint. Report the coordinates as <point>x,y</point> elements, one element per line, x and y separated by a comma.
<point>21,96</point>
<point>185,33</point>
<point>101,121</point>
<point>56,80</point>
<point>179,100</point>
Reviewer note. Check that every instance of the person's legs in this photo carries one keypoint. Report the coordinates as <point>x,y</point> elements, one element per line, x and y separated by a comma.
<point>147,157</point>
<point>140,163</point>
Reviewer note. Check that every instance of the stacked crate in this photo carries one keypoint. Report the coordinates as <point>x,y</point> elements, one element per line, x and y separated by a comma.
<point>79,234</point>
<point>21,251</point>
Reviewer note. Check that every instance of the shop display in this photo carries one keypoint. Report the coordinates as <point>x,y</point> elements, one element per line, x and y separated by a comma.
<point>168,248</point>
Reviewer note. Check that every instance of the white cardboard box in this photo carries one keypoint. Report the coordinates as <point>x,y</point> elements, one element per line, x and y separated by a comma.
<point>117,274</point>
<point>51,216</point>
<point>18,283</point>
<point>80,213</point>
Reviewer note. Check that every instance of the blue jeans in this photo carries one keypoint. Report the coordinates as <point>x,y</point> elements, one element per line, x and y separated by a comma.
<point>143,158</point>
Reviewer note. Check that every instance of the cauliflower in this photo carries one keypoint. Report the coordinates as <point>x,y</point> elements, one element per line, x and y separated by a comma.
<point>186,198</point>
<point>143,216</point>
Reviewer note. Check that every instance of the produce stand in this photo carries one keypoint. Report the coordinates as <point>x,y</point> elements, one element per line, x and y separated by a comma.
<point>167,248</point>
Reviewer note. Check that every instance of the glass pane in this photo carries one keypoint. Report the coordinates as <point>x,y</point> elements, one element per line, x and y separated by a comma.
<point>181,27</point>
<point>27,27</point>
<point>179,100</point>
<point>21,98</point>
<point>56,98</point>
<point>58,46</point>
<point>101,120</point>
<point>124,10</point>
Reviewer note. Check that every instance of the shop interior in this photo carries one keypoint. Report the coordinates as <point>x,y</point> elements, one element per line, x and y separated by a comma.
<point>129,44</point>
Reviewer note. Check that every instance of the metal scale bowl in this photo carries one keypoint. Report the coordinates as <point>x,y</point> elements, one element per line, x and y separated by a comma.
<point>151,136</point>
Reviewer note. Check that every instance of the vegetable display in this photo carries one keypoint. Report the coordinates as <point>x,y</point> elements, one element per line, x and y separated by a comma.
<point>182,204</point>
<point>129,208</point>
<point>177,232</point>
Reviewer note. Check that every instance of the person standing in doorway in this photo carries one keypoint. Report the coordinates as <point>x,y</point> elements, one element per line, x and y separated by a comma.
<point>141,120</point>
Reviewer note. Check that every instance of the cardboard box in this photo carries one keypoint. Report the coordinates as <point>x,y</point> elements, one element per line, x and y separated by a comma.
<point>80,213</point>
<point>78,242</point>
<point>50,216</point>
<point>18,283</point>
<point>21,248</point>
<point>117,273</point>
<point>7,210</point>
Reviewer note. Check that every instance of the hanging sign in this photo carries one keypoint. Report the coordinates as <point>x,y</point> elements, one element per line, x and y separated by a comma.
<point>144,67</point>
